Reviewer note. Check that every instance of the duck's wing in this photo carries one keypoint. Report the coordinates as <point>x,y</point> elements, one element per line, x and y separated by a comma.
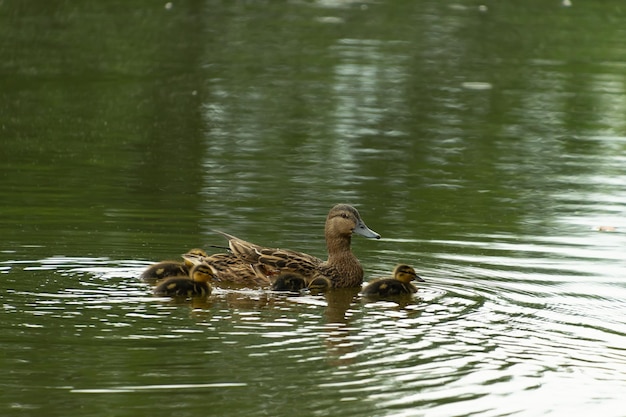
<point>228,267</point>
<point>241,248</point>
<point>284,260</point>
<point>272,261</point>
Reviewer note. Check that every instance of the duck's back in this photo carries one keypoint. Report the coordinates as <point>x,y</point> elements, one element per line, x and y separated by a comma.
<point>287,261</point>
<point>229,268</point>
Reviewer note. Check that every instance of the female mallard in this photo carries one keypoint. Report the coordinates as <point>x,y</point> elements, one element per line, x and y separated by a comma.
<point>196,284</point>
<point>398,285</point>
<point>252,264</point>
<point>166,269</point>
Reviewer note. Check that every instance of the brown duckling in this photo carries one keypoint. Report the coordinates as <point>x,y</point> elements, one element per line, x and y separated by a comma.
<point>165,269</point>
<point>196,284</point>
<point>253,264</point>
<point>398,285</point>
<point>290,281</point>
<point>319,284</point>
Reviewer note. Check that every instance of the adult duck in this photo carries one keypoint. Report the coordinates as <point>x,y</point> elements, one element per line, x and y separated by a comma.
<point>165,269</point>
<point>256,264</point>
<point>399,284</point>
<point>195,284</point>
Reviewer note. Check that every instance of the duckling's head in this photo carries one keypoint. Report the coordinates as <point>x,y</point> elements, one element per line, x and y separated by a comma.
<point>344,220</point>
<point>406,274</point>
<point>193,257</point>
<point>202,273</point>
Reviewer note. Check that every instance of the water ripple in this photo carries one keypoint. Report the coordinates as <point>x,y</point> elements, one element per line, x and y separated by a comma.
<point>481,331</point>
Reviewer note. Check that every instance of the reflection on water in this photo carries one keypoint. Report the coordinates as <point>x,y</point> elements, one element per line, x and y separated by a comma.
<point>367,74</point>
<point>486,144</point>
<point>516,320</point>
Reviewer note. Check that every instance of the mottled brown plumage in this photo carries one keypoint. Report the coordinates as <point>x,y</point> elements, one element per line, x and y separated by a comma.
<point>231,269</point>
<point>254,265</point>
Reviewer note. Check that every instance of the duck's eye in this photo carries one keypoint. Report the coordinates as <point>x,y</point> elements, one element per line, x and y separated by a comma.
<point>344,215</point>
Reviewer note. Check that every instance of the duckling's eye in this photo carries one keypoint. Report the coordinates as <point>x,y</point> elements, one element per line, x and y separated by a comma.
<point>344,215</point>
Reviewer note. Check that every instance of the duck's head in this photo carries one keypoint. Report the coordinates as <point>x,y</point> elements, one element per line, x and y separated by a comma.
<point>194,257</point>
<point>344,219</point>
<point>202,273</point>
<point>406,274</point>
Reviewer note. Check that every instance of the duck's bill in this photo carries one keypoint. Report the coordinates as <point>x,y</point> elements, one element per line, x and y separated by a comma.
<point>419,279</point>
<point>363,230</point>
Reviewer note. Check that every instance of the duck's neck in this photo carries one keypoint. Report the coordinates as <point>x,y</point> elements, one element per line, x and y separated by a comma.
<point>341,258</point>
<point>338,248</point>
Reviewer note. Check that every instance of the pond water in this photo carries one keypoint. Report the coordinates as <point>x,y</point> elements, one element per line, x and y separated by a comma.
<point>486,143</point>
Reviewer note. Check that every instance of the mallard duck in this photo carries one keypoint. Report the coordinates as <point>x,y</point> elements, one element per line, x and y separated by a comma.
<point>399,284</point>
<point>253,264</point>
<point>196,284</point>
<point>164,269</point>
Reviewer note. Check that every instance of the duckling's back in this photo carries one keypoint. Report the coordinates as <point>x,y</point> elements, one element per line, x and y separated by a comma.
<point>181,286</point>
<point>289,281</point>
<point>388,288</point>
<point>162,270</point>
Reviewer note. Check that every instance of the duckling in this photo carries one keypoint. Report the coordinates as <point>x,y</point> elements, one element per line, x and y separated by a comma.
<point>289,281</point>
<point>165,269</point>
<point>196,284</point>
<point>319,284</point>
<point>252,264</point>
<point>398,285</point>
